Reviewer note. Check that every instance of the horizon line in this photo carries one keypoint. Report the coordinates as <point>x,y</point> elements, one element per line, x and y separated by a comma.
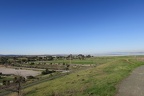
<point>102,53</point>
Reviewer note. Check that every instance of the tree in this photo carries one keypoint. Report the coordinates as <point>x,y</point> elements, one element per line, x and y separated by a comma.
<point>4,60</point>
<point>50,58</point>
<point>81,57</point>
<point>10,61</point>
<point>0,75</point>
<point>88,56</point>
<point>67,66</point>
<point>17,81</point>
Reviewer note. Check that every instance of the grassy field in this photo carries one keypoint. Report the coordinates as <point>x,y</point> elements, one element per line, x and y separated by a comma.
<point>6,78</point>
<point>93,60</point>
<point>95,81</point>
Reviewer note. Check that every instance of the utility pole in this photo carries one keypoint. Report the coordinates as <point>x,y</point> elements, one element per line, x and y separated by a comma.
<point>70,58</point>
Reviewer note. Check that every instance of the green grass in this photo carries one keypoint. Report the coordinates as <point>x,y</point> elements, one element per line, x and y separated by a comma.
<point>94,60</point>
<point>6,78</point>
<point>95,81</point>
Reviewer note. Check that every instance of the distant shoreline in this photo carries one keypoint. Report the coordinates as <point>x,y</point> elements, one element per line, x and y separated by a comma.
<point>95,54</point>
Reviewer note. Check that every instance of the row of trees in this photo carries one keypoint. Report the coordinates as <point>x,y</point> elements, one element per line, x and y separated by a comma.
<point>25,59</point>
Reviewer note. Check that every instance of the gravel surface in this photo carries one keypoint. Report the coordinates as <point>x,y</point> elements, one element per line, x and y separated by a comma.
<point>133,85</point>
<point>21,72</point>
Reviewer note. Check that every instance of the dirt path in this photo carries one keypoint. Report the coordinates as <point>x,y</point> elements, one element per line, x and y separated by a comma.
<point>133,85</point>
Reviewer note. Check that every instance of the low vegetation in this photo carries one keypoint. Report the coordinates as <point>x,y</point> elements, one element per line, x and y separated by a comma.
<point>46,71</point>
<point>100,80</point>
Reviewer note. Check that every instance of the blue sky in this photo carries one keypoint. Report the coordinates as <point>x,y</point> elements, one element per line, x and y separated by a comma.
<point>71,26</point>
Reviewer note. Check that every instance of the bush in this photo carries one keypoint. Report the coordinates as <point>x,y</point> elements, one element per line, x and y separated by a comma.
<point>47,72</point>
<point>32,63</point>
<point>30,77</point>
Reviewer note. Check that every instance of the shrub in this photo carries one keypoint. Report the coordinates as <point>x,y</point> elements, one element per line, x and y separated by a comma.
<point>32,63</point>
<point>30,77</point>
<point>47,72</point>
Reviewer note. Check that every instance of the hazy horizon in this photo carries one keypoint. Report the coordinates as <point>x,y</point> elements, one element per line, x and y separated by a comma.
<point>93,54</point>
<point>71,26</point>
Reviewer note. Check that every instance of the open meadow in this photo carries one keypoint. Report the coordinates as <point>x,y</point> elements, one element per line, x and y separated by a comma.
<point>100,80</point>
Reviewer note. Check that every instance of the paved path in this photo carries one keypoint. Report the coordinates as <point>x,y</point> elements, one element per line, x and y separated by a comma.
<point>133,85</point>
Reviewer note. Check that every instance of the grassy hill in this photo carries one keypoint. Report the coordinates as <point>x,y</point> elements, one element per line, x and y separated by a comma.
<point>94,81</point>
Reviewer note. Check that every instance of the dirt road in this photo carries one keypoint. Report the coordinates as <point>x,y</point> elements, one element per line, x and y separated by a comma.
<point>133,85</point>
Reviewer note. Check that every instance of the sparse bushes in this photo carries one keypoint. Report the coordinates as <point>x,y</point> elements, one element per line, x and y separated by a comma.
<point>32,63</point>
<point>63,63</point>
<point>6,82</point>
<point>30,77</point>
<point>18,79</point>
<point>47,72</point>
<point>67,67</point>
<point>0,73</point>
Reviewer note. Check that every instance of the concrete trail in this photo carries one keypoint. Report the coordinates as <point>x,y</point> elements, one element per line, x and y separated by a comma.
<point>133,85</point>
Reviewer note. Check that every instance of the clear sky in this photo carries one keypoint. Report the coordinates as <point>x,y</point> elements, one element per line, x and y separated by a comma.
<point>71,26</point>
